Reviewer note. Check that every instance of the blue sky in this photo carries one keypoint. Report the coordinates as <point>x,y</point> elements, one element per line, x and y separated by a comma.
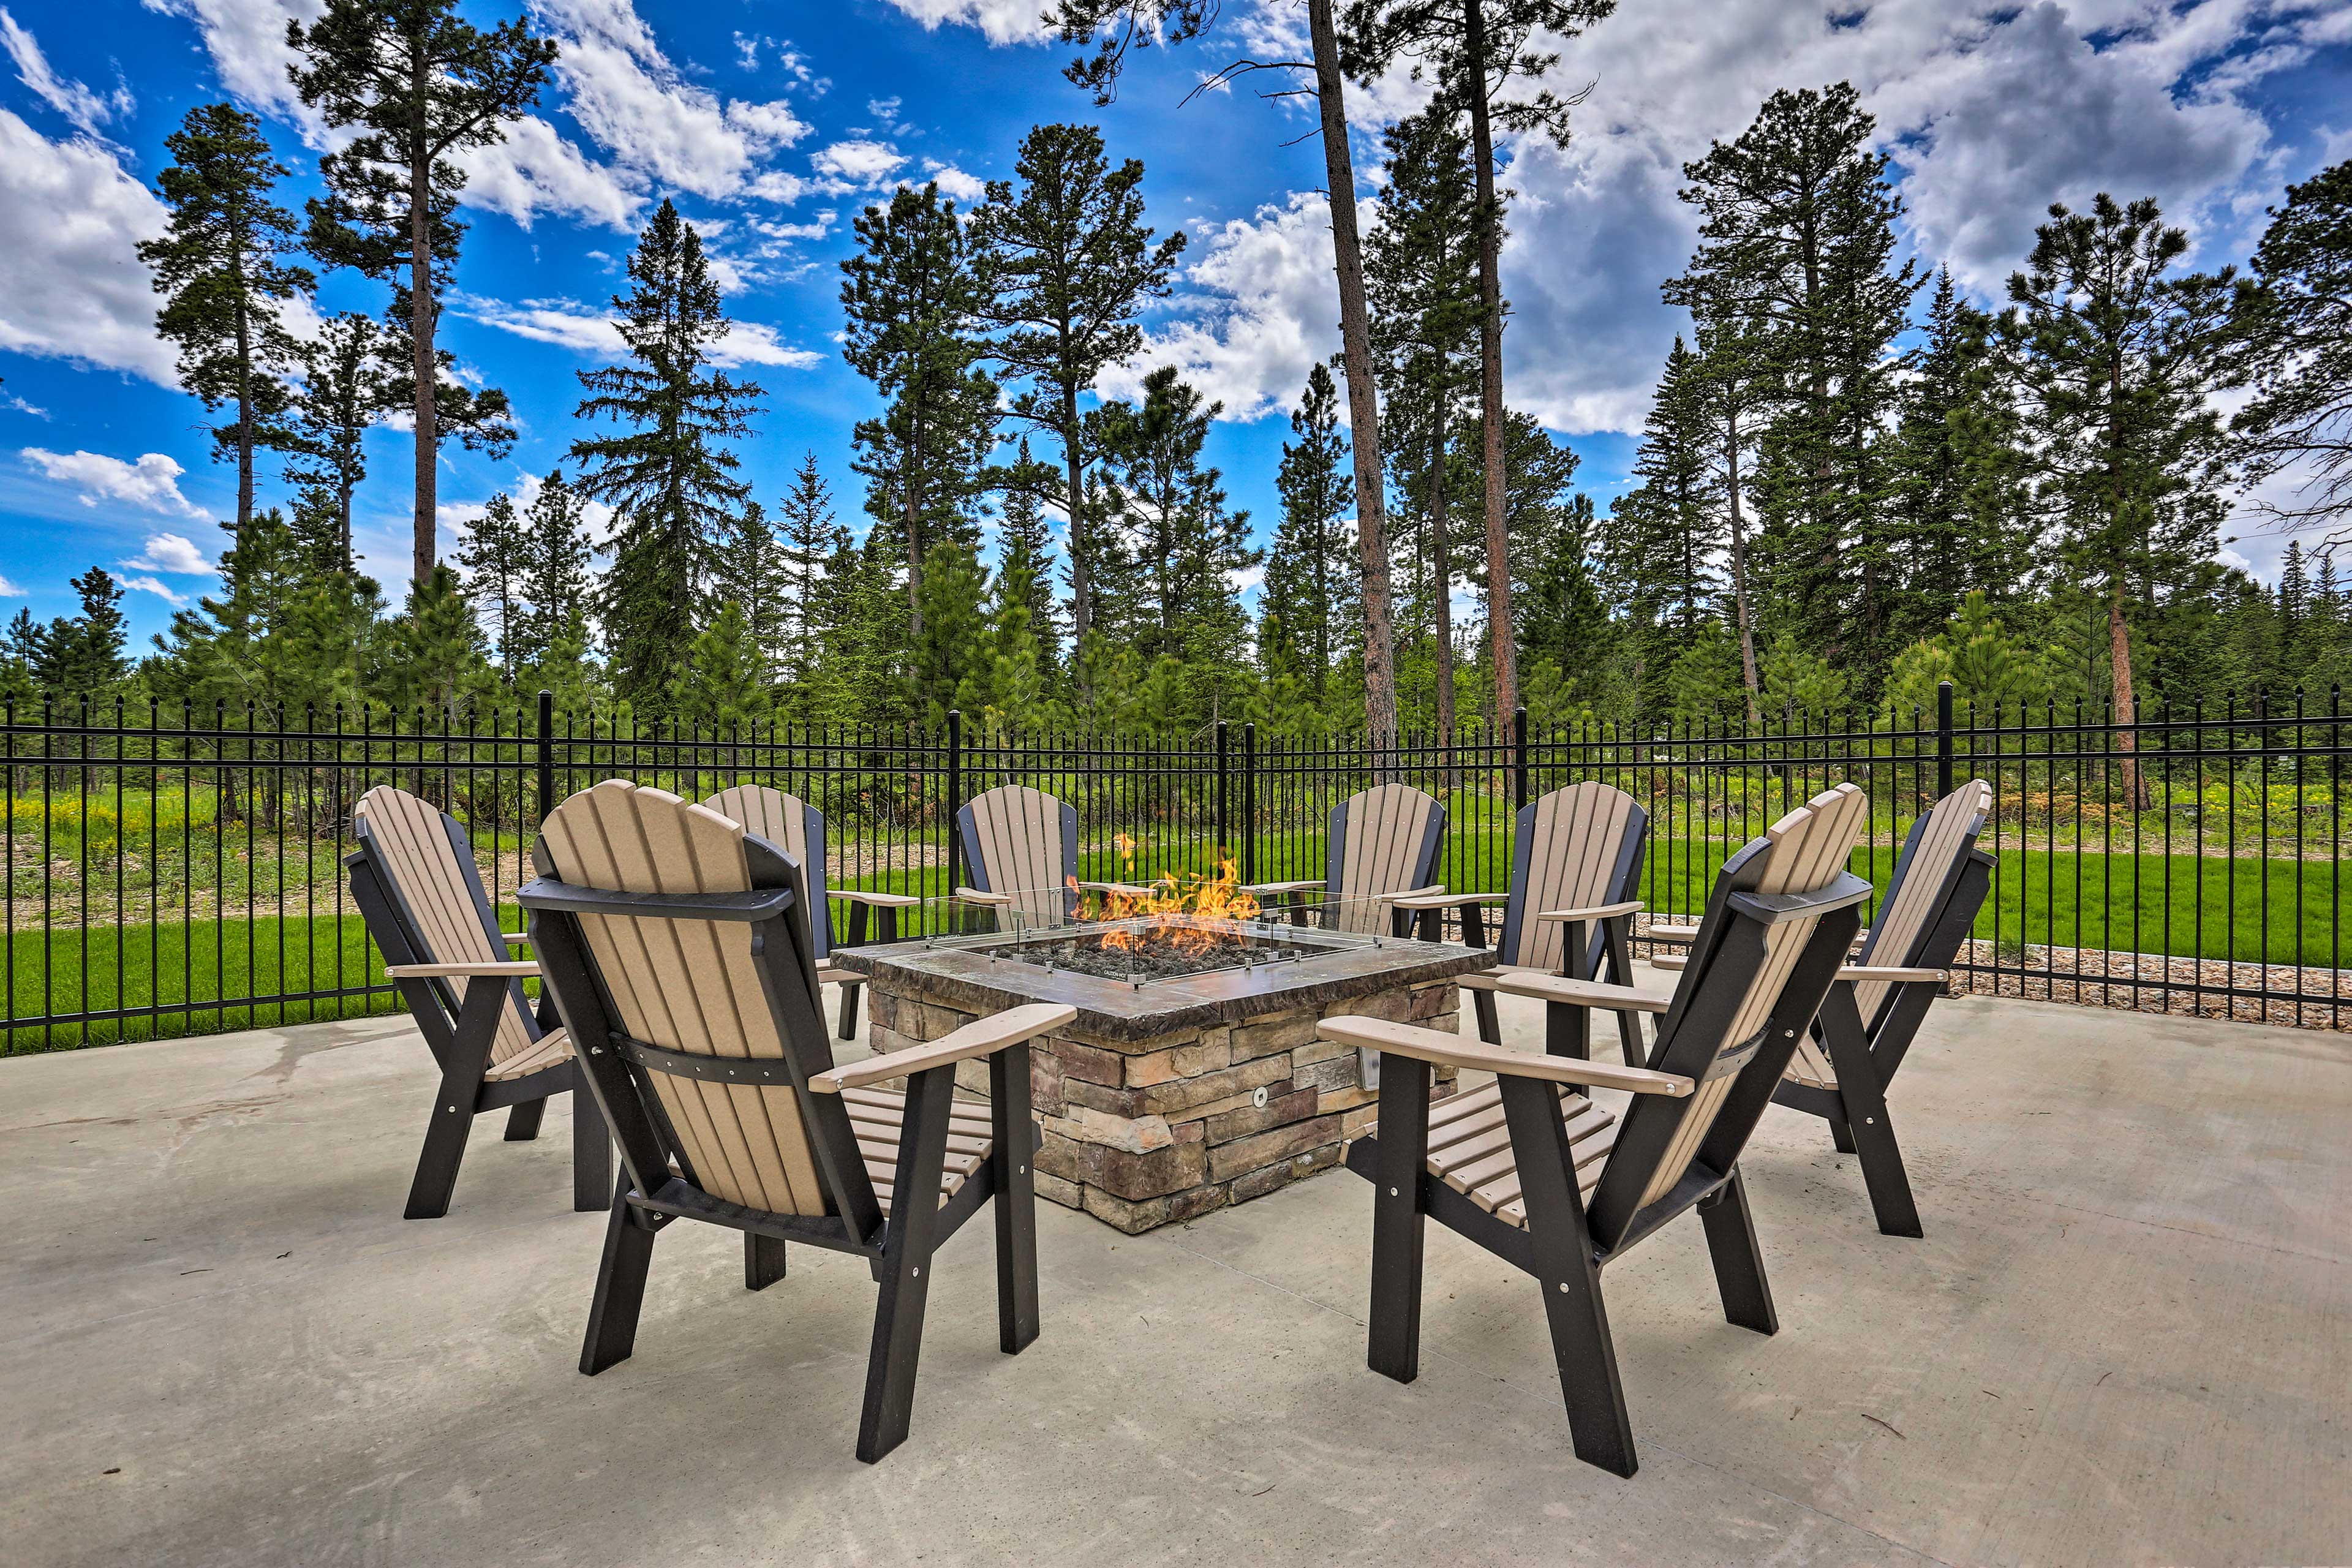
<point>772,123</point>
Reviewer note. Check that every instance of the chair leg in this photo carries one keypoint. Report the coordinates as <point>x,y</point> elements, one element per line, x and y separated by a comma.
<point>1871,1133</point>
<point>620,1287</point>
<point>454,1101</point>
<point>592,1148</point>
<point>763,1261</point>
<point>1840,1135</point>
<point>1597,1421</point>
<point>522,1122</point>
<point>1490,1023</point>
<point>1738,1260</point>
<point>1015,1199</point>
<point>1620,956</point>
<point>1392,1348</point>
<point>906,1258</point>
<point>849,994</point>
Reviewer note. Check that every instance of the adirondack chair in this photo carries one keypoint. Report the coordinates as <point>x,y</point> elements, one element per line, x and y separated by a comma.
<point>1022,846</point>
<point>1576,865</point>
<point>1382,849</point>
<point>680,951</point>
<point>417,888</point>
<point>1877,1003</point>
<point>798,829</point>
<point>1531,1168</point>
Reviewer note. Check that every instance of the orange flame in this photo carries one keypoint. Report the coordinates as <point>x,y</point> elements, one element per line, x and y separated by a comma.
<point>1188,916</point>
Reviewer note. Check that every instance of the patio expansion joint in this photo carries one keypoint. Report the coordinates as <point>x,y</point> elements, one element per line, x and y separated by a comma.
<point>1813,1509</point>
<point>2202,1235</point>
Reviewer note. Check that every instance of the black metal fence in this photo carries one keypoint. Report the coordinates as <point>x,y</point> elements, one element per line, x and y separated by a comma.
<point>179,872</point>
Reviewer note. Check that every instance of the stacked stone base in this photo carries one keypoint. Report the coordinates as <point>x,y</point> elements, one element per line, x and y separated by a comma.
<point>1141,1133</point>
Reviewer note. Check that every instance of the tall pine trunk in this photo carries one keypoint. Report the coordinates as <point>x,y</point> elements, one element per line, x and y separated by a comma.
<point>1739,561</point>
<point>1441,562</point>
<point>1082,610</point>
<point>1363,405</point>
<point>1490,371</point>
<point>244,403</point>
<point>420,322</point>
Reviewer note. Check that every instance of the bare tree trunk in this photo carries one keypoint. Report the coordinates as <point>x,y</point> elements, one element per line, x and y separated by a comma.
<point>1082,599</point>
<point>1442,567</point>
<point>1363,404</point>
<point>2127,709</point>
<point>1490,371</point>
<point>244,411</point>
<point>914,536</point>
<point>420,329</point>
<point>1740,562</point>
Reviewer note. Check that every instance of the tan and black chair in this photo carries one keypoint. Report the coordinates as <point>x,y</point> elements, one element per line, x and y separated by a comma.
<point>1536,1172</point>
<point>417,888</point>
<point>1877,1003</point>
<point>1382,849</point>
<point>679,952</point>
<point>1021,848</point>
<point>797,828</point>
<point>1576,866</point>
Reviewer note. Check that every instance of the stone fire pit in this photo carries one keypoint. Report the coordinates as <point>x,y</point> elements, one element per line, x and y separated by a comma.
<point>1170,1097</point>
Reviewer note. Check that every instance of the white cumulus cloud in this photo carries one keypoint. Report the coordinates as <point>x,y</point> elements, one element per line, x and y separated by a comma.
<point>171,552</point>
<point>969,189</point>
<point>1002,21</point>
<point>857,163</point>
<point>569,324</point>
<point>171,596</point>
<point>86,110</point>
<point>534,170</point>
<point>151,484</point>
<point>71,283</point>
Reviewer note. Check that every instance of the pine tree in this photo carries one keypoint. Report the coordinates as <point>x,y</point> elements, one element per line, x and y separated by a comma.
<point>1309,585</point>
<point>1797,240</point>
<point>555,586</point>
<point>1664,533</point>
<point>668,476</point>
<point>952,662</point>
<point>420,85</point>
<point>1185,543</point>
<point>1421,281</point>
<point>1730,371</point>
<point>495,557</point>
<point>80,657</point>
<point>437,664</point>
<point>282,633</point>
<point>748,570</point>
<point>1562,619</point>
<point>1026,548</point>
<point>913,296</point>
<point>345,393</point>
<point>1070,266</point>
<point>2113,367</point>
<point>2294,332</point>
<point>722,689</point>
<point>2293,593</point>
<point>220,261</point>
<point>809,540</point>
<point>1477,47</point>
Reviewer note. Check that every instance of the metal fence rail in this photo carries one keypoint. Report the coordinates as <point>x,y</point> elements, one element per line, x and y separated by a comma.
<point>179,871</point>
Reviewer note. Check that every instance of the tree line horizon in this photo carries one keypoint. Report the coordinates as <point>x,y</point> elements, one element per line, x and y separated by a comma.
<point>1852,484</point>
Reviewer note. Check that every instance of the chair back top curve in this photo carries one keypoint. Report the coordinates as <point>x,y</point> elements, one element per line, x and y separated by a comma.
<point>1574,849</point>
<point>1926,876</point>
<point>1778,921</point>
<point>795,826</point>
<point>425,866</point>
<point>700,988</point>
<point>1383,840</point>
<point>1023,842</point>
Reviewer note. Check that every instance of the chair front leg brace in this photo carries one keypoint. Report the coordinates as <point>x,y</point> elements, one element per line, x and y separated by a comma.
<point>906,1264</point>
<point>453,1103</point>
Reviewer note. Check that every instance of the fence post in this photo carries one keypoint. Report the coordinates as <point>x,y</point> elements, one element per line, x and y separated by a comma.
<point>1249,802</point>
<point>1224,813</point>
<point>955,798</point>
<point>1943,739</point>
<point>1519,758</point>
<point>546,753</point>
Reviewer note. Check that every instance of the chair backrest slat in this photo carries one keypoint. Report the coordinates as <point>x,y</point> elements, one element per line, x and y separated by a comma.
<point>438,895</point>
<point>1023,841</point>
<point>1577,847</point>
<point>689,986</point>
<point>1923,881</point>
<point>795,826</point>
<point>1383,840</point>
<point>1802,854</point>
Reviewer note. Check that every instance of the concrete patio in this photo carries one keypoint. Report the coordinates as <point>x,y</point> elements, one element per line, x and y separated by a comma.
<point>2126,1338</point>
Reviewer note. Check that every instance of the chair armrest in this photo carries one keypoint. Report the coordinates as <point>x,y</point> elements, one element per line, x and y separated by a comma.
<point>1888,973</point>
<point>880,901</point>
<point>984,1037</point>
<point>519,969</point>
<point>1670,960</point>
<point>1456,1050</point>
<point>1262,888</point>
<point>1436,890</point>
<point>1594,912</point>
<point>1125,890</point>
<point>1576,993</point>
<point>1668,930</point>
<point>974,896</point>
<point>515,938</point>
<point>1444,901</point>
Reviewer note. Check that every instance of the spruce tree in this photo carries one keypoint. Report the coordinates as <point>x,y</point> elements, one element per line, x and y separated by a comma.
<point>1477,47</point>
<point>420,85</point>
<point>1026,548</point>
<point>2114,366</point>
<point>1310,583</point>
<point>80,657</point>
<point>667,474</point>
<point>345,393</point>
<point>808,540</point>
<point>722,689</point>
<point>1185,544</point>
<point>952,662</point>
<point>221,262</point>
<point>1070,266</point>
<point>1664,533</point>
<point>914,296</point>
<point>495,557</point>
<point>748,571</point>
<point>555,584</point>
